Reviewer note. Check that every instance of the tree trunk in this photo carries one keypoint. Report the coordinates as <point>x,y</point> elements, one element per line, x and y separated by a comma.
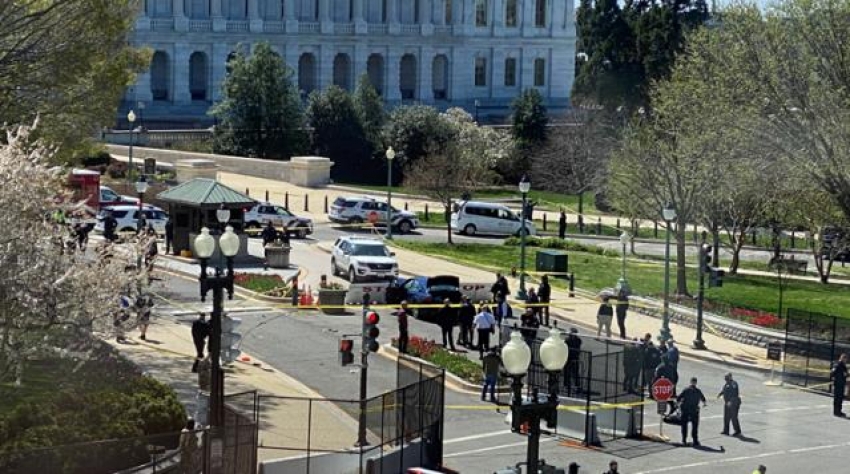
<point>715,242</point>
<point>681,269</point>
<point>448,226</point>
<point>737,245</point>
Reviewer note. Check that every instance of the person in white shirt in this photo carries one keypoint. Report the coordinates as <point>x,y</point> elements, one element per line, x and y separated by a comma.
<point>485,324</point>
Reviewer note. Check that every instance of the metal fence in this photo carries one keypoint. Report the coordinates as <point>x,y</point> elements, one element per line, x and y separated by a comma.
<point>812,342</point>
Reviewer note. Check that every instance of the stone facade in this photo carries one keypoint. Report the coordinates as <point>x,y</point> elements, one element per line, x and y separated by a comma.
<point>478,54</point>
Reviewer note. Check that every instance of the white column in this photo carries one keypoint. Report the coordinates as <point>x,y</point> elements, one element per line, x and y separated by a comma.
<point>392,17</point>
<point>181,22</point>
<point>289,16</point>
<point>325,67</point>
<point>180,71</point>
<point>360,26</point>
<point>177,8</point>
<point>325,17</point>
<point>393,67</point>
<point>457,12</point>
<point>218,21</point>
<point>498,13</point>
<point>439,10</point>
<point>426,61</point>
<point>557,22</point>
<point>218,60</point>
<point>358,67</point>
<point>255,21</point>
<point>426,27</point>
<point>527,19</point>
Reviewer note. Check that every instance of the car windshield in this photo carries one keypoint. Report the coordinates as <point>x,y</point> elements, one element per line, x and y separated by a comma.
<point>444,288</point>
<point>282,212</point>
<point>369,251</point>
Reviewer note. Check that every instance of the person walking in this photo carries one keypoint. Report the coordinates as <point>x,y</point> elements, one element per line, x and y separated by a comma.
<point>490,364</point>
<point>604,317</point>
<point>731,405</point>
<point>839,385</point>
<point>447,317</point>
<point>152,249</point>
<point>169,236</point>
<point>269,234</point>
<point>110,224</point>
<point>144,307</point>
<point>200,333</point>
<point>612,468</point>
<point>562,225</point>
<point>503,310</point>
<point>497,289</point>
<point>529,325</point>
<point>689,401</point>
<point>571,372</point>
<point>466,315</point>
<point>545,295</point>
<point>403,337</point>
<point>485,324</point>
<point>533,300</point>
<point>622,309</point>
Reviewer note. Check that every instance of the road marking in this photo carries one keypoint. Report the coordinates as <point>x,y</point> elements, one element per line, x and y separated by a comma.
<point>771,410</point>
<point>494,448</point>
<point>474,437</point>
<point>746,458</point>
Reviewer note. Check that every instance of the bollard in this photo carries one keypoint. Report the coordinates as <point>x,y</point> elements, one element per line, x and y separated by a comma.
<point>247,192</point>
<point>656,229</point>
<point>286,200</point>
<point>580,224</point>
<point>326,203</point>
<point>544,221</point>
<point>754,237</point>
<point>599,226</point>
<point>306,203</point>
<point>572,285</point>
<point>792,239</point>
<point>695,234</point>
<point>267,195</point>
<point>618,223</point>
<point>426,212</point>
<point>405,206</point>
<point>295,291</point>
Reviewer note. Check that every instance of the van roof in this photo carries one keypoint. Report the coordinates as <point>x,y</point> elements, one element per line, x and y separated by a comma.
<point>483,204</point>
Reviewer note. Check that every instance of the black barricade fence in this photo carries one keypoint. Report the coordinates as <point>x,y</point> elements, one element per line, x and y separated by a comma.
<point>813,341</point>
<point>108,456</point>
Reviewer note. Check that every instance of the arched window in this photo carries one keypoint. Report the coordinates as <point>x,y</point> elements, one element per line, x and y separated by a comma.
<point>440,77</point>
<point>342,71</point>
<point>161,76</point>
<point>307,73</point>
<point>539,72</point>
<point>375,71</point>
<point>407,79</point>
<point>198,78</point>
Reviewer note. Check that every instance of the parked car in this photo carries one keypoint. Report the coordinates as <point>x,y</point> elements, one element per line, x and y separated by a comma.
<point>359,210</point>
<point>128,215</point>
<point>108,197</point>
<point>475,217</point>
<point>361,258</point>
<point>263,213</point>
<point>425,290</point>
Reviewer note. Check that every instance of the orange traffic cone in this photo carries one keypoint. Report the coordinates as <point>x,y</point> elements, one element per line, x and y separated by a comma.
<point>309,295</point>
<point>302,301</point>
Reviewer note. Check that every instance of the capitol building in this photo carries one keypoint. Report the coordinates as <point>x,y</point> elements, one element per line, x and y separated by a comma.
<point>477,54</point>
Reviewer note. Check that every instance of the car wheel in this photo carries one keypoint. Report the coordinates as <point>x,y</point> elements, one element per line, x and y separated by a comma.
<point>469,230</point>
<point>253,225</point>
<point>521,231</point>
<point>405,227</point>
<point>334,270</point>
<point>356,221</point>
<point>352,275</point>
<point>302,233</point>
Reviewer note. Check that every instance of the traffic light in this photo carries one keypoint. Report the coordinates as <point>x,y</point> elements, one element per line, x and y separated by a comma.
<point>705,257</point>
<point>371,331</point>
<point>346,352</point>
<point>716,280</point>
<point>230,339</point>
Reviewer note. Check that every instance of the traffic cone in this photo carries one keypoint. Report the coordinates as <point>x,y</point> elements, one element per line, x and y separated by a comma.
<point>309,295</point>
<point>302,301</point>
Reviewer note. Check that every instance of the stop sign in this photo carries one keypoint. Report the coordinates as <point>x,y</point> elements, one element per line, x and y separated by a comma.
<point>662,390</point>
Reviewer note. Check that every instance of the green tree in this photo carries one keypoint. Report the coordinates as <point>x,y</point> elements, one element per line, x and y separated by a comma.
<point>68,63</point>
<point>370,110</point>
<point>415,131</point>
<point>529,119</point>
<point>260,110</point>
<point>338,134</point>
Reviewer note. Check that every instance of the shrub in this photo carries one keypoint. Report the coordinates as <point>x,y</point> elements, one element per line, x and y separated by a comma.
<point>259,283</point>
<point>456,364</point>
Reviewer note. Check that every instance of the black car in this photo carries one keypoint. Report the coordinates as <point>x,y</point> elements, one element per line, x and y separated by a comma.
<point>425,290</point>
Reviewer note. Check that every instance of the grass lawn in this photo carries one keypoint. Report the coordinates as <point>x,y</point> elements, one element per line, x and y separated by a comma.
<point>594,272</point>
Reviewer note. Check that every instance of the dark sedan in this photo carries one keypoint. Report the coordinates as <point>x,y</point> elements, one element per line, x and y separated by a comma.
<point>425,290</point>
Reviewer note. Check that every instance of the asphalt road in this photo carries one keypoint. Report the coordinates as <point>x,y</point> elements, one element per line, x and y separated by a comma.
<point>788,430</point>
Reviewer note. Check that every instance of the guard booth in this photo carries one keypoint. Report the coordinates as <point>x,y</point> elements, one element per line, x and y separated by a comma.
<point>193,205</point>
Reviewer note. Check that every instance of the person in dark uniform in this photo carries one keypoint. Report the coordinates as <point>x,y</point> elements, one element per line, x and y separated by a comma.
<point>545,295</point>
<point>562,225</point>
<point>200,332</point>
<point>651,359</point>
<point>571,375</point>
<point>631,365</point>
<point>622,310</point>
<point>446,317</point>
<point>839,385</point>
<point>689,401</point>
<point>731,405</point>
<point>269,234</point>
<point>169,236</point>
<point>466,315</point>
<point>110,224</point>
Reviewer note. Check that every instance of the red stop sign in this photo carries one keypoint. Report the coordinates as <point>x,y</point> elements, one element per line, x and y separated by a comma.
<point>662,390</point>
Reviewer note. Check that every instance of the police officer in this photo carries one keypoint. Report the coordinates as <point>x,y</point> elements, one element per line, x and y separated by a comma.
<point>839,385</point>
<point>571,370</point>
<point>689,401</point>
<point>731,405</point>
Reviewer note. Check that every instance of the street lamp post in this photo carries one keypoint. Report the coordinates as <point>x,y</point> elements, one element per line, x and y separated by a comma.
<point>204,248</point>
<point>141,189</point>
<point>669,215</point>
<point>516,357</point>
<point>477,104</point>
<point>390,158</point>
<point>131,117</point>
<point>622,284</point>
<point>703,267</point>
<point>524,187</point>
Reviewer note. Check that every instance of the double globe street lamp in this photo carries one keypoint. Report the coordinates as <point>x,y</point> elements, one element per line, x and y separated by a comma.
<point>669,215</point>
<point>141,189</point>
<point>524,188</point>
<point>390,158</point>
<point>516,357</point>
<point>205,246</point>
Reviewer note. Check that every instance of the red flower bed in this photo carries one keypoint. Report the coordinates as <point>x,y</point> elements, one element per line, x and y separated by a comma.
<point>767,320</point>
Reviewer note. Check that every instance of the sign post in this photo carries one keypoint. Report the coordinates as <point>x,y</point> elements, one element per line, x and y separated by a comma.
<point>662,392</point>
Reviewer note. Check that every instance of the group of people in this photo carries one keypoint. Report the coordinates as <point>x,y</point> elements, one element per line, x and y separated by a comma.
<point>605,314</point>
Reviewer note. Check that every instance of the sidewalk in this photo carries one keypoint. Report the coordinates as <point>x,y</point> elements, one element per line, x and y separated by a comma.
<point>168,353</point>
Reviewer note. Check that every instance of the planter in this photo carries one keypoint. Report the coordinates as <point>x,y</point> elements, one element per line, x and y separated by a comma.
<point>332,298</point>
<point>277,257</point>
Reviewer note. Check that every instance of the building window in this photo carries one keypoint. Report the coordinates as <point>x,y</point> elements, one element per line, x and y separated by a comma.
<point>480,72</point>
<point>510,72</point>
<point>539,72</point>
<point>480,12</point>
<point>448,12</point>
<point>540,13</point>
<point>511,14</point>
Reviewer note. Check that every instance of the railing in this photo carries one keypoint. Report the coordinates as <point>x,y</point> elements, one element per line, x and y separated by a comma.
<point>410,29</point>
<point>273,27</point>
<point>443,30</point>
<point>162,24</point>
<point>237,26</point>
<point>344,28</point>
<point>200,25</point>
<point>308,27</point>
<point>377,29</point>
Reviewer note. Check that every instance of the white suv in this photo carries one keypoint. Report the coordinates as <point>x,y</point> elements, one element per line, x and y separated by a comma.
<point>127,218</point>
<point>359,210</point>
<point>362,258</point>
<point>263,213</point>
